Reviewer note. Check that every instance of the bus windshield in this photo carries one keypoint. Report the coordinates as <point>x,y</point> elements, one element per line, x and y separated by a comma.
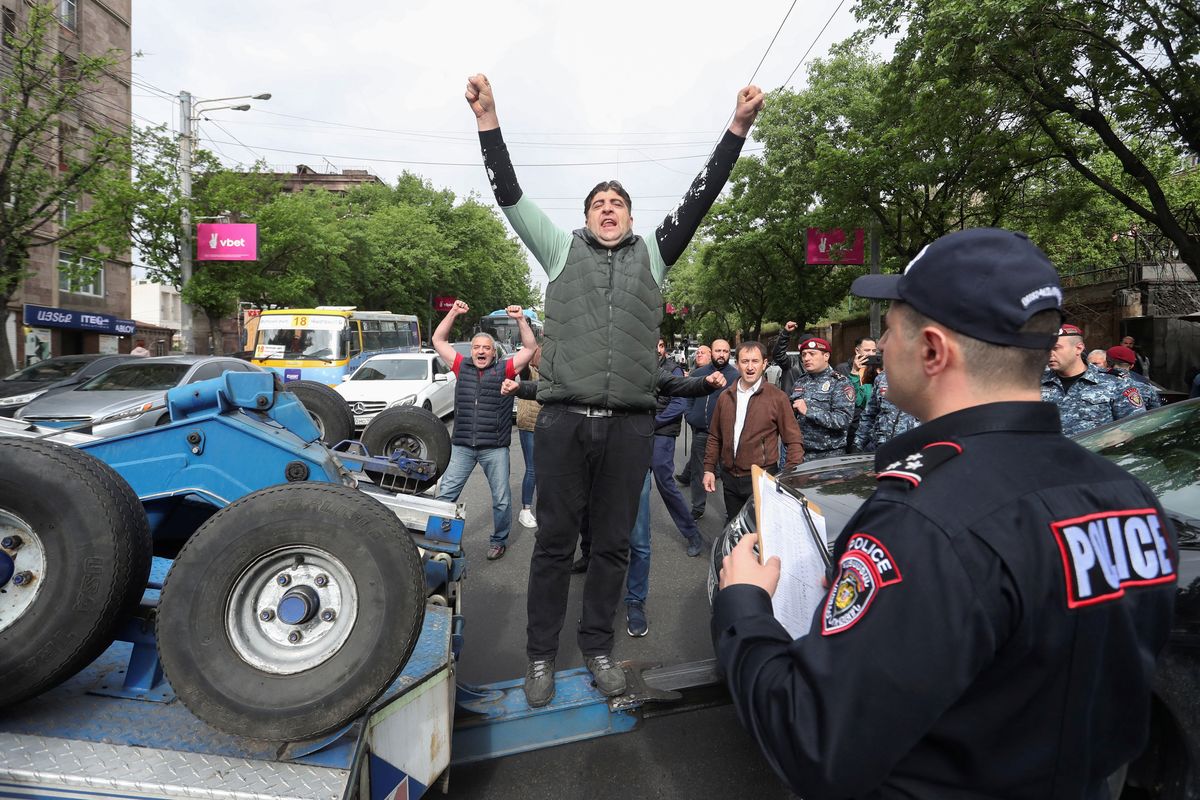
<point>279,338</point>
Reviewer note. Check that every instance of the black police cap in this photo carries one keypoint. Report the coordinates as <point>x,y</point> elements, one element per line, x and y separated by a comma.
<point>985,283</point>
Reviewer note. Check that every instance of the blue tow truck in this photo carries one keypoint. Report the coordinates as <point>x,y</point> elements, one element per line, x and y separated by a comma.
<point>223,606</point>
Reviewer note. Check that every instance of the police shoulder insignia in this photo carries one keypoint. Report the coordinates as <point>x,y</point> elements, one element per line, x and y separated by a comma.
<point>864,569</point>
<point>848,390</point>
<point>915,467</point>
<point>1133,396</point>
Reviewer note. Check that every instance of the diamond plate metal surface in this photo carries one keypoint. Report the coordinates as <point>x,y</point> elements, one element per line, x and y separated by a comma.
<point>45,761</point>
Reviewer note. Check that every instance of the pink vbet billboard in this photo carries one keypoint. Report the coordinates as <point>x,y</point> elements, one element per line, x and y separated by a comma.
<point>226,241</point>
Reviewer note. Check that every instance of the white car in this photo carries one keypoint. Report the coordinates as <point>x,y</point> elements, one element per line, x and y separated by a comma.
<point>398,379</point>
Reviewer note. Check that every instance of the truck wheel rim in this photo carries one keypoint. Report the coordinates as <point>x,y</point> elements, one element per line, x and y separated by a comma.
<point>412,446</point>
<point>291,610</point>
<point>22,568</point>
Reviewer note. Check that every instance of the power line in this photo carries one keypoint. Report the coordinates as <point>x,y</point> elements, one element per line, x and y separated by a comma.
<point>814,44</point>
<point>360,159</point>
<point>772,43</point>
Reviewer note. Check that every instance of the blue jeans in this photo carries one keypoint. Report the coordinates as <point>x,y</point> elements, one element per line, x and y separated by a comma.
<point>662,464</point>
<point>637,582</point>
<point>494,461</point>
<point>527,483</point>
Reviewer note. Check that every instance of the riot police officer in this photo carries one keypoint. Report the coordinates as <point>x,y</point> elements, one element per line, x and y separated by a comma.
<point>881,420</point>
<point>996,606</point>
<point>1086,395</point>
<point>823,400</point>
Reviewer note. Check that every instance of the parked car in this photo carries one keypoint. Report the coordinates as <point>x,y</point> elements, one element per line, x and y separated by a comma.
<point>1161,448</point>
<point>398,379</point>
<point>52,375</point>
<point>128,397</point>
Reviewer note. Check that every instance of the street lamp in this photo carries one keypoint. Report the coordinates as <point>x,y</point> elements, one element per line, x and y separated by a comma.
<point>189,114</point>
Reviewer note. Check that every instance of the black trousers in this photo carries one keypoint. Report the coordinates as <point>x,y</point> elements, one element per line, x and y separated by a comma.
<point>592,464</point>
<point>736,490</point>
<point>696,465</point>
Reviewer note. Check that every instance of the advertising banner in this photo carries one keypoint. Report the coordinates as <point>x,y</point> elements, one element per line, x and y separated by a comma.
<point>226,241</point>
<point>831,247</point>
<point>443,303</point>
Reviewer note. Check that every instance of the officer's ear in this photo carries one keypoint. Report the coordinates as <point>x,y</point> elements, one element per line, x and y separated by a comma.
<point>938,350</point>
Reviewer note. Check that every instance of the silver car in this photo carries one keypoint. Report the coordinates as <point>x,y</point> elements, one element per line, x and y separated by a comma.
<point>128,397</point>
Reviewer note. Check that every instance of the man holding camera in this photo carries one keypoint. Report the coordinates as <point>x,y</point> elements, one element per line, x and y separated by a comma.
<point>823,400</point>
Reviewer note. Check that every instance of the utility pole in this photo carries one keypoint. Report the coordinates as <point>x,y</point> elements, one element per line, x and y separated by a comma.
<point>875,271</point>
<point>189,113</point>
<point>185,251</point>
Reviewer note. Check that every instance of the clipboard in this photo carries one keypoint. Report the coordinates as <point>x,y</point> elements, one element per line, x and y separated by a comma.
<point>793,529</point>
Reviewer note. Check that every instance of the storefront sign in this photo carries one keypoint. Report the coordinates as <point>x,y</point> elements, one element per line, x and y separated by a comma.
<point>49,317</point>
<point>226,241</point>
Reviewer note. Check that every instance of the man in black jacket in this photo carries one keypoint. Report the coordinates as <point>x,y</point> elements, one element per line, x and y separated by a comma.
<point>996,607</point>
<point>699,417</point>
<point>667,422</point>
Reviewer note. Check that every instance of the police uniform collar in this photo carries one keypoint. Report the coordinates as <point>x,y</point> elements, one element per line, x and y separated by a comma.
<point>1028,417</point>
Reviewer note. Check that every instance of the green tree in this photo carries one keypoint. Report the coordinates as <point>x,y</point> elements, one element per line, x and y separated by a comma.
<point>1120,78</point>
<point>55,150</point>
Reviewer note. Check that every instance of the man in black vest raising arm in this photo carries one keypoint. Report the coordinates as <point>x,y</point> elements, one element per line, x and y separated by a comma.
<point>593,439</point>
<point>482,416</point>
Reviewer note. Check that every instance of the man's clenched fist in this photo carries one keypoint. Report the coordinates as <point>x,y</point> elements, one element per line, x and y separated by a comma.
<point>479,95</point>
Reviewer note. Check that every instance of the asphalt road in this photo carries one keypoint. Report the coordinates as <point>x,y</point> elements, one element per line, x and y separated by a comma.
<point>687,754</point>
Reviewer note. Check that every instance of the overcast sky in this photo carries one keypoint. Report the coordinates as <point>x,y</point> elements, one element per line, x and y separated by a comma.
<point>636,92</point>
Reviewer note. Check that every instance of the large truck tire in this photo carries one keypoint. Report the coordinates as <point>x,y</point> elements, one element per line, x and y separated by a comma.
<point>328,409</point>
<point>75,554</point>
<point>417,432</point>
<point>290,611</point>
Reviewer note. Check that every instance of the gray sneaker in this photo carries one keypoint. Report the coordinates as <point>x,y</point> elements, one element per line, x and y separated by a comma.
<point>539,683</point>
<point>608,675</point>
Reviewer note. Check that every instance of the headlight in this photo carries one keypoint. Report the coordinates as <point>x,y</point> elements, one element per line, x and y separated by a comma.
<point>17,399</point>
<point>129,413</point>
<point>404,401</point>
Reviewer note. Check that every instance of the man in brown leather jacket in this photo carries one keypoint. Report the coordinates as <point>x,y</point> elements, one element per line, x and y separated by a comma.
<point>750,420</point>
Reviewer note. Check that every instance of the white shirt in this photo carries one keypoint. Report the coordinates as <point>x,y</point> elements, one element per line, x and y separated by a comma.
<point>739,418</point>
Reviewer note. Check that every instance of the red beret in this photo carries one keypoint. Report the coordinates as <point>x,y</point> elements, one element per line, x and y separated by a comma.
<point>815,343</point>
<point>1070,330</point>
<point>1121,353</point>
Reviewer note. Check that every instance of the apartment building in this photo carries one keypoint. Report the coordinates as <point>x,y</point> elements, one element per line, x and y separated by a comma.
<point>51,315</point>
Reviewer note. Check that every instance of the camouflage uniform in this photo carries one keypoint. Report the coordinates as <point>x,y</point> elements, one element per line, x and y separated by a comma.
<point>1149,393</point>
<point>830,398</point>
<point>1096,398</point>
<point>881,420</point>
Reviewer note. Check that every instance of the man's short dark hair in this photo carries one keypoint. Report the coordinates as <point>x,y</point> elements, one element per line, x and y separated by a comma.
<point>858,342</point>
<point>607,186</point>
<point>751,345</point>
<point>994,365</point>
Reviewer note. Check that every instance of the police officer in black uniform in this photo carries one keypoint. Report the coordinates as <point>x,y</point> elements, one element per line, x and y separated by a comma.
<point>996,606</point>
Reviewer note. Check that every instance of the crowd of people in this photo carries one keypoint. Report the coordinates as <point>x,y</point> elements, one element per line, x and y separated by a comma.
<point>949,656</point>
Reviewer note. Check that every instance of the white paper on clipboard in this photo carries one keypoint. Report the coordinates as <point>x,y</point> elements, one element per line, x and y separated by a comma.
<point>792,530</point>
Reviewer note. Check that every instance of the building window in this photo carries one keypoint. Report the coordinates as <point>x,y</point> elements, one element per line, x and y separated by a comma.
<point>68,262</point>
<point>68,14</point>
<point>67,210</point>
<point>9,30</point>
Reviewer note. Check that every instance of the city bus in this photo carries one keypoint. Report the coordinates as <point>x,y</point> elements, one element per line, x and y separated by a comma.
<point>327,342</point>
<point>503,328</point>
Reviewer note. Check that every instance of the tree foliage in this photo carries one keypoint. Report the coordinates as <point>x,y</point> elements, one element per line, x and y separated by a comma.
<point>56,149</point>
<point>376,247</point>
<point>1112,86</point>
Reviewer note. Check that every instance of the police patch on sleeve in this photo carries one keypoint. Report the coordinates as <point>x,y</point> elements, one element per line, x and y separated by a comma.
<point>864,569</point>
<point>1104,553</point>
<point>1133,396</point>
<point>848,391</point>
